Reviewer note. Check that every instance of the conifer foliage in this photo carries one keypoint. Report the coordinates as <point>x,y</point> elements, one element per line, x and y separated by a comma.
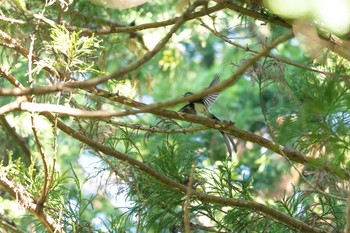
<point>91,136</point>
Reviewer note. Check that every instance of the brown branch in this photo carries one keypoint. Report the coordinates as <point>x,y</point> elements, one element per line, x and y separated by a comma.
<point>37,90</point>
<point>27,201</point>
<point>290,221</point>
<point>12,79</point>
<point>224,126</point>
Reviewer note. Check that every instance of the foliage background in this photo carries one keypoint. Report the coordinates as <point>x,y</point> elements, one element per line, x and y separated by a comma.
<point>76,157</point>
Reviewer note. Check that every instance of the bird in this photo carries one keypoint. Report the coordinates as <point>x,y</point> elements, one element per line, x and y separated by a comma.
<point>201,106</point>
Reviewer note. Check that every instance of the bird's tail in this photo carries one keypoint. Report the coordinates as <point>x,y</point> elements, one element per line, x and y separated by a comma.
<point>229,143</point>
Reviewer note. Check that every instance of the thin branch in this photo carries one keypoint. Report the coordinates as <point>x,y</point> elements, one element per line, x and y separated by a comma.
<point>17,138</point>
<point>8,227</point>
<point>27,201</point>
<point>117,74</point>
<point>156,129</point>
<point>44,189</point>
<point>10,20</point>
<point>12,79</point>
<point>293,155</point>
<point>13,105</point>
<point>288,220</point>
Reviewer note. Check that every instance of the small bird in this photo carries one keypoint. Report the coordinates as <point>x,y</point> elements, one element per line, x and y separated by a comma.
<point>201,106</point>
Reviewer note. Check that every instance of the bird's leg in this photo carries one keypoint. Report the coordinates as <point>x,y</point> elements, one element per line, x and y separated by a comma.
<point>181,114</point>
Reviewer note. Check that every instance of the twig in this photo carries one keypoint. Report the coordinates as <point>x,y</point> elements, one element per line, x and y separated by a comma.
<point>6,74</point>
<point>10,20</point>
<point>45,188</point>
<point>224,126</point>
<point>17,138</point>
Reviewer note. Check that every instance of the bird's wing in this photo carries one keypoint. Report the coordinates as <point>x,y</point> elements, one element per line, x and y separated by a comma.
<point>211,98</point>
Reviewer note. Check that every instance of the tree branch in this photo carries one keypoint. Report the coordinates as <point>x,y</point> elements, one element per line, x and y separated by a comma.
<point>26,200</point>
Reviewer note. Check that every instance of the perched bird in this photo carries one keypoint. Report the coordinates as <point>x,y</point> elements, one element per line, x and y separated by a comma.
<point>201,106</point>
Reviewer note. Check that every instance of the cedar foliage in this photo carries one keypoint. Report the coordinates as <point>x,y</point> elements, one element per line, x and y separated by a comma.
<point>67,167</point>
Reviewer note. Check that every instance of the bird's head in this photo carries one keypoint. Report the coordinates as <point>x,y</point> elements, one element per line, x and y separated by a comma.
<point>188,94</point>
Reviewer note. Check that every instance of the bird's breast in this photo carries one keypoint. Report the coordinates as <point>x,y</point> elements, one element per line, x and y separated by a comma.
<point>201,109</point>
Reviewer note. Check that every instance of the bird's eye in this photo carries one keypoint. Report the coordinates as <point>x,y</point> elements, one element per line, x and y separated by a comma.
<point>188,93</point>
